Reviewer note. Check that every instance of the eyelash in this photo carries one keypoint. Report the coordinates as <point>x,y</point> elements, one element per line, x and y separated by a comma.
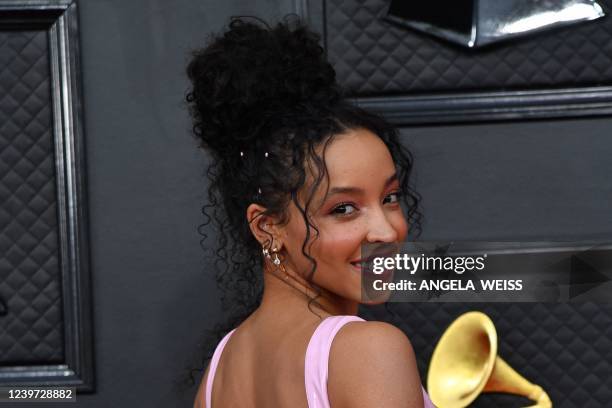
<point>333,211</point>
<point>397,193</point>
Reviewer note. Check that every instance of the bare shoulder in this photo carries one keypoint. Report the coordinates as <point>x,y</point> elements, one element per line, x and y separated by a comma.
<point>373,364</point>
<point>370,335</point>
<point>200,400</point>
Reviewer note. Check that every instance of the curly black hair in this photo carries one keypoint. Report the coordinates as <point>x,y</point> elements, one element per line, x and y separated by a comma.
<point>263,99</point>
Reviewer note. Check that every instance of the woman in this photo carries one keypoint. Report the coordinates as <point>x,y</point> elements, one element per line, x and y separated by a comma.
<point>300,179</point>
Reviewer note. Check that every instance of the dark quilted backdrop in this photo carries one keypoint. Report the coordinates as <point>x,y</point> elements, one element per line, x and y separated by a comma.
<point>374,57</point>
<point>31,329</point>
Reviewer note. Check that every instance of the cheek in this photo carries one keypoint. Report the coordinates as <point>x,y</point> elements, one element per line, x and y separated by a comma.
<point>334,248</point>
<point>340,243</point>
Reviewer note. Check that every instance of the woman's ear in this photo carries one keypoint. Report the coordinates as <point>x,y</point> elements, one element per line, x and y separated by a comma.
<point>264,228</point>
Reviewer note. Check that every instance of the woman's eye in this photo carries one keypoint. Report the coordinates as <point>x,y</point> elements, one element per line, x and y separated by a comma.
<point>392,198</point>
<point>344,209</point>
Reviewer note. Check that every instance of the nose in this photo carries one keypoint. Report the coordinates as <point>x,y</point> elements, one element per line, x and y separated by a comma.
<point>380,229</point>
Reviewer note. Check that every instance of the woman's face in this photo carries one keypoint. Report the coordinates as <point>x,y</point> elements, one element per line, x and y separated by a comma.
<point>361,206</point>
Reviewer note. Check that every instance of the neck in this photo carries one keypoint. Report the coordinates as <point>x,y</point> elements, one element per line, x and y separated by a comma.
<point>288,292</point>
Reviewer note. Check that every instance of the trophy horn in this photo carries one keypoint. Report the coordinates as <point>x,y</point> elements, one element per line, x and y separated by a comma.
<point>465,363</point>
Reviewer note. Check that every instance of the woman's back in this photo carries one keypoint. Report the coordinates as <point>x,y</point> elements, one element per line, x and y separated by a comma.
<point>261,365</point>
<point>273,369</point>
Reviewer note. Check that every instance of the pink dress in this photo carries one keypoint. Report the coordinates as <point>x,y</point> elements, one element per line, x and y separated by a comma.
<point>316,362</point>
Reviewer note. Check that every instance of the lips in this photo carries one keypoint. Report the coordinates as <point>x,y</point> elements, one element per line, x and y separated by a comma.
<point>361,264</point>
<point>367,261</point>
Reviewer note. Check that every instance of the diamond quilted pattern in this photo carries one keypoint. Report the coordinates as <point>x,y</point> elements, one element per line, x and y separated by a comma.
<point>31,331</point>
<point>373,57</point>
<point>565,348</point>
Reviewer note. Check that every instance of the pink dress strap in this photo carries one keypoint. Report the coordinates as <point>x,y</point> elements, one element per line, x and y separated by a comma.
<point>316,362</point>
<point>317,358</point>
<point>214,362</point>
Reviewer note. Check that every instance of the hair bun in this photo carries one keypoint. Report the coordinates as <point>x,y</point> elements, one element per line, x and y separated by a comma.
<point>251,73</point>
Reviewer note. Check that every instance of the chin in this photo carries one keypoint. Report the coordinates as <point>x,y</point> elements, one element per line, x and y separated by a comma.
<point>377,298</point>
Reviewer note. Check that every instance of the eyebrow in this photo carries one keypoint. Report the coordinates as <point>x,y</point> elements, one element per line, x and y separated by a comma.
<point>358,190</point>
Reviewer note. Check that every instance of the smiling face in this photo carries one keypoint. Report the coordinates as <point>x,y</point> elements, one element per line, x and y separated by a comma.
<point>361,206</point>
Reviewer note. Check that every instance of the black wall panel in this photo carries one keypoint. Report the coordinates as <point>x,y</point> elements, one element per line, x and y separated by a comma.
<point>30,285</point>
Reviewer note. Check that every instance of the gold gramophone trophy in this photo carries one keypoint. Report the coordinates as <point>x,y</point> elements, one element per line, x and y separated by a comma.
<point>465,363</point>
